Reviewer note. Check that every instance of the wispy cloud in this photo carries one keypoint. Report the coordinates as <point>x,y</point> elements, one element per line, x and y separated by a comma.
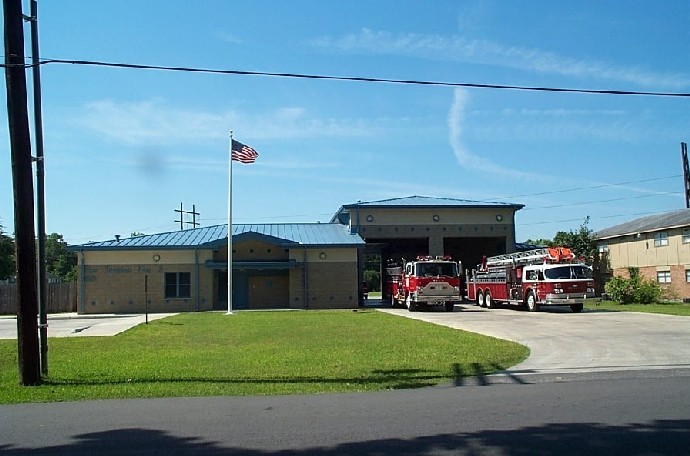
<point>156,123</point>
<point>470,161</point>
<point>466,159</point>
<point>565,124</point>
<point>460,49</point>
<point>152,122</point>
<point>229,38</point>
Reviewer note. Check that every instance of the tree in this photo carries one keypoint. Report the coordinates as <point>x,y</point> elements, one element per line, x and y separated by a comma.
<point>539,242</point>
<point>8,266</point>
<point>371,274</point>
<point>581,242</point>
<point>59,261</point>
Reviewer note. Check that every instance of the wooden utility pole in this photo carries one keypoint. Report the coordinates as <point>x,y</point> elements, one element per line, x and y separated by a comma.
<point>40,191</point>
<point>25,240</point>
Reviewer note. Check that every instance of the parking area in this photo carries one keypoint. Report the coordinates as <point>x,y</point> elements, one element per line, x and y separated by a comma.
<point>74,325</point>
<point>561,341</point>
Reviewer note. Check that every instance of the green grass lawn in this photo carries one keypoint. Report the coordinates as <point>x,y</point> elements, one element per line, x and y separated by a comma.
<point>258,353</point>
<point>670,308</point>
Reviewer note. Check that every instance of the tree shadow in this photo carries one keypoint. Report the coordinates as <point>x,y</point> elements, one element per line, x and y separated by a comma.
<point>472,374</point>
<point>394,379</point>
<point>479,375</point>
<point>660,437</point>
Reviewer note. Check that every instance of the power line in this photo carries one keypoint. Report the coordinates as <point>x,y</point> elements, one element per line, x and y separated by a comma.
<point>582,203</point>
<point>356,78</point>
<point>594,218</point>
<point>409,82</point>
<point>605,201</point>
<point>586,188</point>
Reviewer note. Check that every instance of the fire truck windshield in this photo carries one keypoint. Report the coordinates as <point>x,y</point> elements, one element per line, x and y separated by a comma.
<point>437,269</point>
<point>568,272</point>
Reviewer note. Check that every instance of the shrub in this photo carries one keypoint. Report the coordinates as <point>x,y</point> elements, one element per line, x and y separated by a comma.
<point>647,292</point>
<point>373,280</point>
<point>634,289</point>
<point>620,289</point>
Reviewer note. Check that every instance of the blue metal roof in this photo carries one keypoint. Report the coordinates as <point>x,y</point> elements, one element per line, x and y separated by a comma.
<point>418,202</point>
<point>304,234</point>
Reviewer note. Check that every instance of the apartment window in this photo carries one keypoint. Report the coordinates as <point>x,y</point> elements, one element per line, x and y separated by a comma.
<point>664,276</point>
<point>660,239</point>
<point>687,275</point>
<point>178,285</point>
<point>686,235</point>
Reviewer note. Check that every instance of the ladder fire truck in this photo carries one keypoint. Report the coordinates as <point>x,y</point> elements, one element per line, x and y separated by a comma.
<point>425,281</point>
<point>546,276</point>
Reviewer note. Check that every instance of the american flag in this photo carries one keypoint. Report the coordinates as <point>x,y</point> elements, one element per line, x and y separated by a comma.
<point>243,153</point>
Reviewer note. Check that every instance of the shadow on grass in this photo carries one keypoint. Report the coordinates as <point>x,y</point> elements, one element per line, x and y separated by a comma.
<point>654,437</point>
<point>391,379</point>
<point>394,379</point>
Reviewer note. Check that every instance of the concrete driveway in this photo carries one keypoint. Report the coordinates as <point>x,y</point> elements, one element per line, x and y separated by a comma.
<point>564,342</point>
<point>74,325</point>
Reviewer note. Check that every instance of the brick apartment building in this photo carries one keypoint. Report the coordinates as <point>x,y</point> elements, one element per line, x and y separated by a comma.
<point>659,245</point>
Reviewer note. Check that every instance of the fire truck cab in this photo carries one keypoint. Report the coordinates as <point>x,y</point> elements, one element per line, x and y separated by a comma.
<point>548,276</point>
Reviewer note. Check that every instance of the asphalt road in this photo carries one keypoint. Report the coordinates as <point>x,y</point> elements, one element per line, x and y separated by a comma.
<point>631,415</point>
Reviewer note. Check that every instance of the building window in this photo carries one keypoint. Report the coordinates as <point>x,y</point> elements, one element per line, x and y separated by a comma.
<point>663,276</point>
<point>178,285</point>
<point>660,239</point>
<point>603,248</point>
<point>687,275</point>
<point>686,235</point>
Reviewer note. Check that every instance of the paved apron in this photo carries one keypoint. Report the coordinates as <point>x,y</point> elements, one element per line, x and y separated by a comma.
<point>562,341</point>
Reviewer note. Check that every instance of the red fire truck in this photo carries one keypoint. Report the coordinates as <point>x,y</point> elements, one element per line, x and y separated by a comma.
<point>425,281</point>
<point>547,276</point>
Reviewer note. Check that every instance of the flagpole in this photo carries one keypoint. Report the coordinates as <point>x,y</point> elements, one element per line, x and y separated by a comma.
<point>230,227</point>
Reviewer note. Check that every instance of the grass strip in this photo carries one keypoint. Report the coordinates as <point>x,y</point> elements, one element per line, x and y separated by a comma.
<point>258,353</point>
<point>669,308</point>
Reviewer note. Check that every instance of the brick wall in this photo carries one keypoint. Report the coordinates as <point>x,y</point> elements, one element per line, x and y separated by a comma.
<point>679,288</point>
<point>113,282</point>
<point>329,286</point>
<point>121,289</point>
<point>332,286</point>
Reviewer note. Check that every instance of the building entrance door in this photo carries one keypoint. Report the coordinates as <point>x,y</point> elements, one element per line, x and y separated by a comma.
<point>240,291</point>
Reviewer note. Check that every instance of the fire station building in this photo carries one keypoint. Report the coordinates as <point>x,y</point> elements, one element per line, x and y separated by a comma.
<point>418,225</point>
<point>284,266</point>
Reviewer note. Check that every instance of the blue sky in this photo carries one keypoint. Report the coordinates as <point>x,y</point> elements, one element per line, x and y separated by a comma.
<point>125,147</point>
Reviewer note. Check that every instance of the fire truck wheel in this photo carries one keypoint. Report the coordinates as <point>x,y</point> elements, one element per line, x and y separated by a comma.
<point>576,308</point>
<point>489,301</point>
<point>532,305</point>
<point>410,304</point>
<point>480,299</point>
<point>450,306</point>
